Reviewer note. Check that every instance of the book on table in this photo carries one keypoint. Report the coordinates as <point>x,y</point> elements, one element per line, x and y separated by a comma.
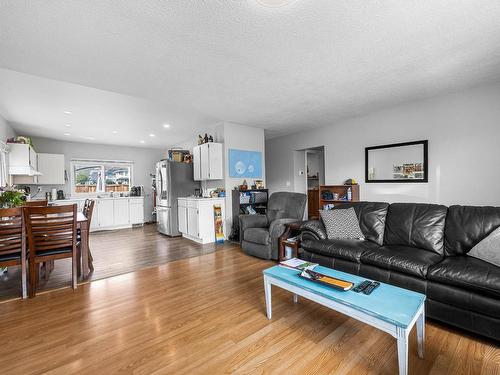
<point>298,264</point>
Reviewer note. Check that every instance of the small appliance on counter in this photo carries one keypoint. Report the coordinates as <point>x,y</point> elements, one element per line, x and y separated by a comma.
<point>60,195</point>
<point>136,191</point>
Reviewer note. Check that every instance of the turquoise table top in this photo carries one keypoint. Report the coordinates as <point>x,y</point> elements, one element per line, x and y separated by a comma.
<point>394,305</point>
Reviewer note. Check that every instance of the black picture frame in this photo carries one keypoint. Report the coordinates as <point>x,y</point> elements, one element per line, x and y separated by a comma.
<point>424,143</point>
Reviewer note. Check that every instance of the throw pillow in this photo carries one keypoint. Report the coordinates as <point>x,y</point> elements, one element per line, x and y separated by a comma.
<point>341,224</point>
<point>488,249</point>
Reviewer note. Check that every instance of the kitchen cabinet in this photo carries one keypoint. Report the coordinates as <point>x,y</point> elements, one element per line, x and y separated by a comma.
<point>182,216</point>
<point>111,213</point>
<point>121,212</point>
<point>207,161</point>
<point>22,160</point>
<point>52,167</point>
<point>136,211</point>
<point>105,213</point>
<point>196,218</point>
<point>197,163</point>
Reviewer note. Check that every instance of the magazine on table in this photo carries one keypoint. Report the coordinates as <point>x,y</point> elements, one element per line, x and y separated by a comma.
<point>298,264</point>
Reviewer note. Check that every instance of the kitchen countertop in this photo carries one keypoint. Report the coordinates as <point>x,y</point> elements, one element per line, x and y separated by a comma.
<point>201,198</point>
<point>82,199</point>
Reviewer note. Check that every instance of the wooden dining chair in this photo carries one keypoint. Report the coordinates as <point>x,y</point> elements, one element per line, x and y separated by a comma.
<point>36,203</point>
<point>51,233</point>
<point>13,242</point>
<point>88,209</point>
<point>46,266</point>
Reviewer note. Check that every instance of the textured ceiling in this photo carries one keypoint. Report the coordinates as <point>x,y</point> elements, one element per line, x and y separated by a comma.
<point>192,63</point>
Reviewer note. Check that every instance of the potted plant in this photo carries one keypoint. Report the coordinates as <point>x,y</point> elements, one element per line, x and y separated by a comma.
<point>11,197</point>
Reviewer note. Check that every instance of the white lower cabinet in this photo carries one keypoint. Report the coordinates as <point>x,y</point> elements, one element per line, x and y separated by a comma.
<point>182,216</point>
<point>136,211</point>
<point>112,213</point>
<point>105,213</point>
<point>196,218</point>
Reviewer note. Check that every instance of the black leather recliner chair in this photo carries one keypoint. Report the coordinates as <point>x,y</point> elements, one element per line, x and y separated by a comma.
<point>422,247</point>
<point>259,234</point>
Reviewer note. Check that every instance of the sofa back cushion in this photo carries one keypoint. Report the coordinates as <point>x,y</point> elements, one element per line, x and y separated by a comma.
<point>466,226</point>
<point>416,225</point>
<point>285,204</point>
<point>371,216</point>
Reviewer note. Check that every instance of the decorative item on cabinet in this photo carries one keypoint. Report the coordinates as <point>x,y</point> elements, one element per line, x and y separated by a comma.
<point>333,195</point>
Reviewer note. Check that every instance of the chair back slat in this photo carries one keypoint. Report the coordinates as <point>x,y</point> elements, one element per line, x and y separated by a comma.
<point>12,234</point>
<point>36,203</point>
<point>51,228</point>
<point>88,209</point>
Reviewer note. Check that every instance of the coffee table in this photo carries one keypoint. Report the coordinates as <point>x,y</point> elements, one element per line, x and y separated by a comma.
<point>389,308</point>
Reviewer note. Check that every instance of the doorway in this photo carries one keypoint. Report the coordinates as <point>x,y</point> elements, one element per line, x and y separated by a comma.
<point>310,174</point>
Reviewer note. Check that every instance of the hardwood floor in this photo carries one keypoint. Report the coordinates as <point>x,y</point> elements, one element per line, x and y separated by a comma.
<point>115,253</point>
<point>206,315</point>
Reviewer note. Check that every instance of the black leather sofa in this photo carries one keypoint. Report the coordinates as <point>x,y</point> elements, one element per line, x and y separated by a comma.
<point>422,247</point>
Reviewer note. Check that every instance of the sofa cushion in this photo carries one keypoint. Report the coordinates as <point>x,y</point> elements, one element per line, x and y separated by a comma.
<point>339,248</point>
<point>463,298</point>
<point>341,224</point>
<point>371,217</point>
<point>257,235</point>
<point>466,226</point>
<point>416,225</point>
<point>469,273</point>
<point>488,249</point>
<point>405,259</point>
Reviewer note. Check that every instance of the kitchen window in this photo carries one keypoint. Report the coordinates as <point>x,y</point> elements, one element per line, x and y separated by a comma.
<point>94,177</point>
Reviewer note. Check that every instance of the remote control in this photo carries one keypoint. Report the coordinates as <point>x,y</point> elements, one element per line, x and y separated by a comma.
<point>371,287</point>
<point>362,286</point>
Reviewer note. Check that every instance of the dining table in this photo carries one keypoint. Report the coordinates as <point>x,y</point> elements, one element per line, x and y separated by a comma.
<point>83,225</point>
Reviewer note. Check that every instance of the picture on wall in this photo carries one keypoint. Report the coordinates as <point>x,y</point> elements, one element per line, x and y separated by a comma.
<point>397,162</point>
<point>245,164</point>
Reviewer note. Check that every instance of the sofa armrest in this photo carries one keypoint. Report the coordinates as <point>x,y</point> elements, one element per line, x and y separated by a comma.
<point>313,229</point>
<point>252,221</point>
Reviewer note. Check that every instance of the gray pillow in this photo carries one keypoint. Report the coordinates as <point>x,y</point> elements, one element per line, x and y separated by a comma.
<point>341,224</point>
<point>488,249</point>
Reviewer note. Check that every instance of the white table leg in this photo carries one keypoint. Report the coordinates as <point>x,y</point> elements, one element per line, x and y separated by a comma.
<point>421,334</point>
<point>267,290</point>
<point>295,298</point>
<point>402,351</point>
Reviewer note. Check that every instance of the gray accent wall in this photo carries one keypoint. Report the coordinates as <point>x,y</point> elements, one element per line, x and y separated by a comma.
<point>463,129</point>
<point>144,161</point>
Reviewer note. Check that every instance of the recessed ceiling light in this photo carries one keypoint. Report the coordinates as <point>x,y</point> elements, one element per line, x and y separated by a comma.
<point>274,3</point>
<point>142,141</point>
<point>115,132</point>
<point>152,135</point>
<point>166,126</point>
<point>67,133</point>
<point>68,125</point>
<point>68,112</point>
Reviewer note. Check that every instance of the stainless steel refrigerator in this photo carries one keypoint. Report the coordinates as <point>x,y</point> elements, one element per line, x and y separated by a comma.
<point>173,180</point>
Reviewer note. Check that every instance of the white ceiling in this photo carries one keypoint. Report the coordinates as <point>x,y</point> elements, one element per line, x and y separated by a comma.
<point>133,65</point>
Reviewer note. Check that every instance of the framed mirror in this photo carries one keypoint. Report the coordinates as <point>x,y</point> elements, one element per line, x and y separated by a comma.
<point>398,162</point>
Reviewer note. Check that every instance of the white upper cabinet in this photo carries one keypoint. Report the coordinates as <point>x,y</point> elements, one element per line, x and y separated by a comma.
<point>51,166</point>
<point>197,163</point>
<point>207,161</point>
<point>22,160</point>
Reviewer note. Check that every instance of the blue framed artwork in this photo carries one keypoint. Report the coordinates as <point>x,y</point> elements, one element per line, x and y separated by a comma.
<point>245,164</point>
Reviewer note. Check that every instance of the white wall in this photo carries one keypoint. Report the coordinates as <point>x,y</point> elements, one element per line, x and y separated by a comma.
<point>144,161</point>
<point>6,130</point>
<point>463,130</point>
